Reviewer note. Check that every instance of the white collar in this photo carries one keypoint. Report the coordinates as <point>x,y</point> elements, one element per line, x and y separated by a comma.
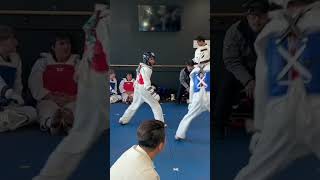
<point>144,153</point>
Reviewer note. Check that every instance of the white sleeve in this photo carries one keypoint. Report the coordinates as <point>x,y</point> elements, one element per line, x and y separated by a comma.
<point>18,82</point>
<point>148,175</point>
<point>121,88</point>
<point>261,87</point>
<point>146,75</point>
<point>35,80</point>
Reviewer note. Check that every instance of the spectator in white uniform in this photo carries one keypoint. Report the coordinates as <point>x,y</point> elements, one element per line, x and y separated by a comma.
<point>53,85</point>
<point>126,88</point>
<point>114,96</point>
<point>13,112</point>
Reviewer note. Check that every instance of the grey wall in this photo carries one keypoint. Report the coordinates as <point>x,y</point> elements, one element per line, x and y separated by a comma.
<point>127,43</point>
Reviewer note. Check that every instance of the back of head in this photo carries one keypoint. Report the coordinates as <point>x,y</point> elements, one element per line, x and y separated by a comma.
<point>6,32</point>
<point>146,57</point>
<point>150,134</point>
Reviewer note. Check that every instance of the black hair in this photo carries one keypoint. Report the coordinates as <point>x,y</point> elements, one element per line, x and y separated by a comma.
<point>129,72</point>
<point>200,38</point>
<point>190,63</point>
<point>57,36</point>
<point>256,6</point>
<point>6,32</point>
<point>151,133</point>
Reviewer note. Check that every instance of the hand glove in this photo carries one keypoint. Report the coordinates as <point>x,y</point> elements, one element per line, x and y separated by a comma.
<point>10,94</point>
<point>156,96</point>
<point>153,93</point>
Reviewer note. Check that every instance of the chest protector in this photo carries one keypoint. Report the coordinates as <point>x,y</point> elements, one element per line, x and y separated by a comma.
<point>59,78</point>
<point>307,65</point>
<point>128,86</point>
<point>8,74</point>
<point>99,62</point>
<point>201,80</point>
<point>139,76</point>
<point>112,85</point>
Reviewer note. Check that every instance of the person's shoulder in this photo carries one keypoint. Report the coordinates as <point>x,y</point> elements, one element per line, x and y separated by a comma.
<point>45,57</point>
<point>149,174</point>
<point>146,68</point>
<point>15,59</point>
<point>234,31</point>
<point>234,27</point>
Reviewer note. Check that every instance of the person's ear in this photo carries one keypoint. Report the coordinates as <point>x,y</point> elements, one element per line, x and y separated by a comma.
<point>161,146</point>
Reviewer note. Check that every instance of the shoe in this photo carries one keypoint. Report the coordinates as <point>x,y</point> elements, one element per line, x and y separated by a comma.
<point>122,122</point>
<point>177,138</point>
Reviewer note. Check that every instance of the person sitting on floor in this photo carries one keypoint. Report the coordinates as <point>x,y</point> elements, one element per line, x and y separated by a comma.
<point>114,96</point>
<point>126,88</point>
<point>53,85</point>
<point>13,112</point>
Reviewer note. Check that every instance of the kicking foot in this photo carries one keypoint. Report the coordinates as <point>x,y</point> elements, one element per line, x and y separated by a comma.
<point>124,121</point>
<point>177,138</point>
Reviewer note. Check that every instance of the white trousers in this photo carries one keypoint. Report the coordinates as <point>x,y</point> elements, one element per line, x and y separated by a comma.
<point>115,98</point>
<point>199,104</point>
<point>290,131</point>
<point>140,96</point>
<point>13,117</point>
<point>124,96</point>
<point>47,110</point>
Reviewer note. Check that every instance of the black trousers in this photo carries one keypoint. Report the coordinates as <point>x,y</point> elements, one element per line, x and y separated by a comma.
<point>181,92</point>
<point>228,92</point>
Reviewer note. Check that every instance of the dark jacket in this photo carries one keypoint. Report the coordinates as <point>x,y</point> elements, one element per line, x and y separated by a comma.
<point>184,78</point>
<point>238,51</point>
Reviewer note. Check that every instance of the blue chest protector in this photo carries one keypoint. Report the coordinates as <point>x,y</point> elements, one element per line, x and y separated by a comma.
<point>197,80</point>
<point>112,86</point>
<point>8,74</point>
<point>310,60</point>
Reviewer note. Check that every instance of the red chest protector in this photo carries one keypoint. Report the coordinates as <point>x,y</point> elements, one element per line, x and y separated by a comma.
<point>99,59</point>
<point>140,79</point>
<point>59,78</point>
<point>128,86</point>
